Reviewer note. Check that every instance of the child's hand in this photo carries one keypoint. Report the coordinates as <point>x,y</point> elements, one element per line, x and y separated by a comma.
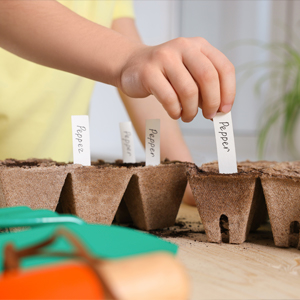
<point>183,74</point>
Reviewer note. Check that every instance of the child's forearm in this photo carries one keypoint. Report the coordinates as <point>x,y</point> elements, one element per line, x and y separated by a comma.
<point>173,145</point>
<point>48,33</point>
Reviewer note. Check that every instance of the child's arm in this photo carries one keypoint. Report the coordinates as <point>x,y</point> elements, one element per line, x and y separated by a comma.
<point>182,73</point>
<point>173,145</point>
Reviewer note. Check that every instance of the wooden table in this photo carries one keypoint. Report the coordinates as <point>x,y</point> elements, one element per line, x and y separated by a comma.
<point>255,269</point>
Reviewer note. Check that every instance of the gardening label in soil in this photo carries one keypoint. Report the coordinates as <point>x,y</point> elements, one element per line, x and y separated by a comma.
<point>152,142</point>
<point>81,140</point>
<point>127,142</point>
<point>225,143</point>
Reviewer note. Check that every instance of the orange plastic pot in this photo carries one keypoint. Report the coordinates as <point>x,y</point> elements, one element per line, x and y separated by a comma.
<point>71,280</point>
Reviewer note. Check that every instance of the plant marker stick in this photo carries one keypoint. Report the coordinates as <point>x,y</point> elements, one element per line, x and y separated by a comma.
<point>127,142</point>
<point>81,140</point>
<point>152,142</point>
<point>225,143</point>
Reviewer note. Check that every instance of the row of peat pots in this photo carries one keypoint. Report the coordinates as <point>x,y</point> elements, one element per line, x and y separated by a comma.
<point>235,204</point>
<point>150,197</point>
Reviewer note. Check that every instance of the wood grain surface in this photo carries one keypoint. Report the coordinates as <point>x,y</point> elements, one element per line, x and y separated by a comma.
<point>255,269</point>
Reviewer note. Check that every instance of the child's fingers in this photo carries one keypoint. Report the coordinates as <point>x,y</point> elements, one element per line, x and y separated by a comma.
<point>182,74</point>
<point>186,89</point>
<point>160,87</point>
<point>226,73</point>
<point>206,76</point>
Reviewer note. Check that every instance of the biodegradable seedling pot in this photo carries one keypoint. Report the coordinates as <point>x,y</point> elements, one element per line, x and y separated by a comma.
<point>94,193</point>
<point>281,186</point>
<point>34,183</point>
<point>224,197</point>
<point>154,194</point>
<point>261,212</point>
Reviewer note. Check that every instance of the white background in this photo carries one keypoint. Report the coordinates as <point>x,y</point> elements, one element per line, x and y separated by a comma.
<point>222,23</point>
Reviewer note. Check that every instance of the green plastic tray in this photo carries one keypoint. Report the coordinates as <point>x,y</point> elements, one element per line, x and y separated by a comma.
<point>109,242</point>
<point>22,216</point>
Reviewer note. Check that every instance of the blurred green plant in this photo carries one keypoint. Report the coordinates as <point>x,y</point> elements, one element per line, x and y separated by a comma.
<point>282,110</point>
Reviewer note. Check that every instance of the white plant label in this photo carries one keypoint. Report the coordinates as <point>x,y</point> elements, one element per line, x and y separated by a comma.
<point>152,142</point>
<point>81,140</point>
<point>225,143</point>
<point>127,142</point>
